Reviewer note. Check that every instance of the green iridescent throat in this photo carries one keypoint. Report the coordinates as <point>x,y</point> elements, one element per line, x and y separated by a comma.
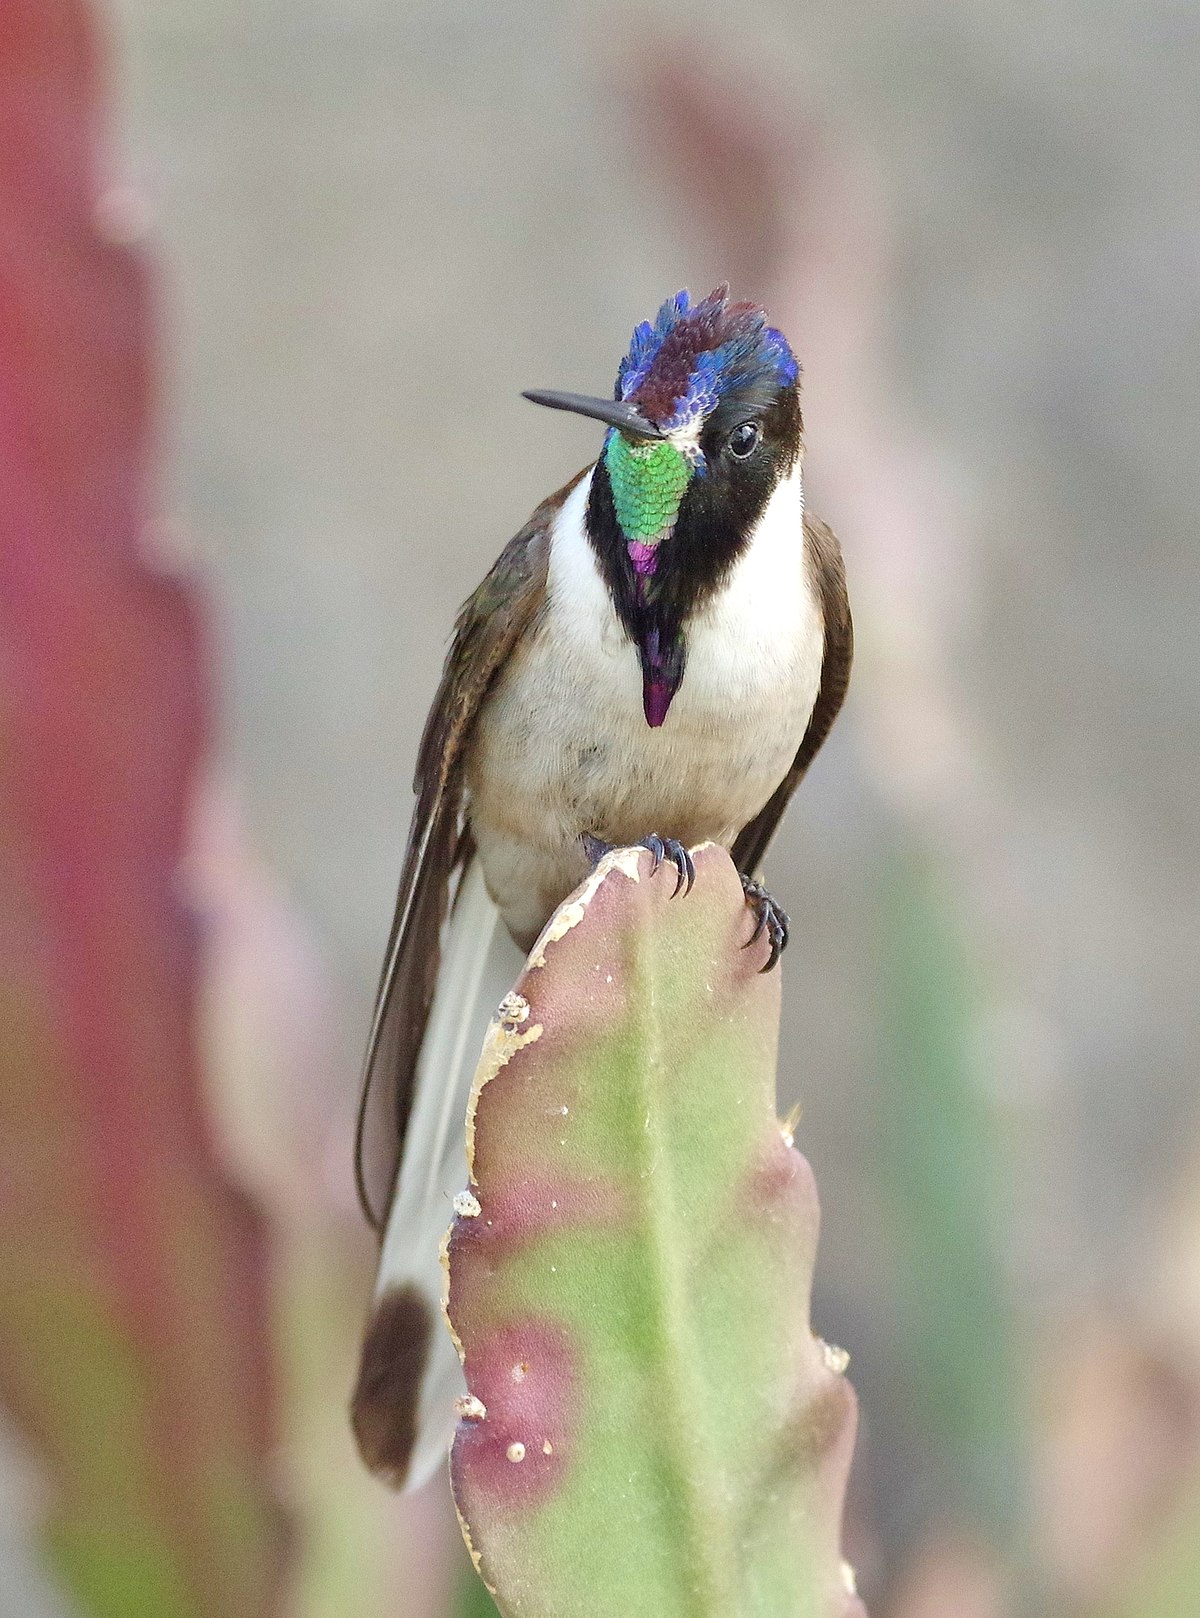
<point>648,480</point>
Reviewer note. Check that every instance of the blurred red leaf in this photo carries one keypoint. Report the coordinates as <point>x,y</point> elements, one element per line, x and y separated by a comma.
<point>134,1333</point>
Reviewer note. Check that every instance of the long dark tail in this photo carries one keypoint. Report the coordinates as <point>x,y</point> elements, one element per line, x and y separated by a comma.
<point>409,1375</point>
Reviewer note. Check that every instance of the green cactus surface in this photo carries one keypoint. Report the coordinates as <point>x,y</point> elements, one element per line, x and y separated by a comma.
<point>651,1427</point>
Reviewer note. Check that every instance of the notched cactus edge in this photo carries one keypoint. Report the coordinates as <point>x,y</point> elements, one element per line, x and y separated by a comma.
<point>650,1424</point>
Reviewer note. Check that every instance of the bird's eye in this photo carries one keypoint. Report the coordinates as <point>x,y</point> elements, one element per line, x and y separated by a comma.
<point>743,440</point>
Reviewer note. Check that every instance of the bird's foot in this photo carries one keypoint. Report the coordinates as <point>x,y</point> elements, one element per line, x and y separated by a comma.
<point>660,849</point>
<point>669,848</point>
<point>769,919</point>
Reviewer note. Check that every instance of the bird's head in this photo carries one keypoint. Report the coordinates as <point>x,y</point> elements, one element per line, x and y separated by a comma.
<point>705,412</point>
<point>703,426</point>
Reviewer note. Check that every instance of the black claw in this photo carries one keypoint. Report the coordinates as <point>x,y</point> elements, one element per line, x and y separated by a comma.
<point>595,848</point>
<point>685,871</point>
<point>670,848</point>
<point>689,871</point>
<point>768,918</point>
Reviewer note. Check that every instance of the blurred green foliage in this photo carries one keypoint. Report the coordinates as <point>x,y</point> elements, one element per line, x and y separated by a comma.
<point>940,1162</point>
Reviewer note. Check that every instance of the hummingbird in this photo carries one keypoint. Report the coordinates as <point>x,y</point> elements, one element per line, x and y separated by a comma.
<point>654,659</point>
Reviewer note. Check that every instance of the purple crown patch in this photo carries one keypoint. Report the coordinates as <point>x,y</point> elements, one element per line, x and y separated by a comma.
<point>678,369</point>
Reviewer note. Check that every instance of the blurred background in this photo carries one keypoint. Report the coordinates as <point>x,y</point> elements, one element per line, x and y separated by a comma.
<point>326,245</point>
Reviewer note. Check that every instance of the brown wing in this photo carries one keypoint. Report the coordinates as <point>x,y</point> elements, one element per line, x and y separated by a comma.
<point>486,630</point>
<point>825,562</point>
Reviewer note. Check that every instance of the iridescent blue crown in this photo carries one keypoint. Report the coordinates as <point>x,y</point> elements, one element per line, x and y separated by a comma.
<point>693,355</point>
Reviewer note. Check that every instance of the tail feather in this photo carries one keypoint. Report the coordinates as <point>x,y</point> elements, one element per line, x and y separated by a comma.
<point>409,1376</point>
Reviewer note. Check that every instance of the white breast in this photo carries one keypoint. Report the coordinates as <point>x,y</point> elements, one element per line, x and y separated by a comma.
<point>563,746</point>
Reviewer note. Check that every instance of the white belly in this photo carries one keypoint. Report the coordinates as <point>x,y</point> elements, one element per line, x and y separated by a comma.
<point>563,747</point>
